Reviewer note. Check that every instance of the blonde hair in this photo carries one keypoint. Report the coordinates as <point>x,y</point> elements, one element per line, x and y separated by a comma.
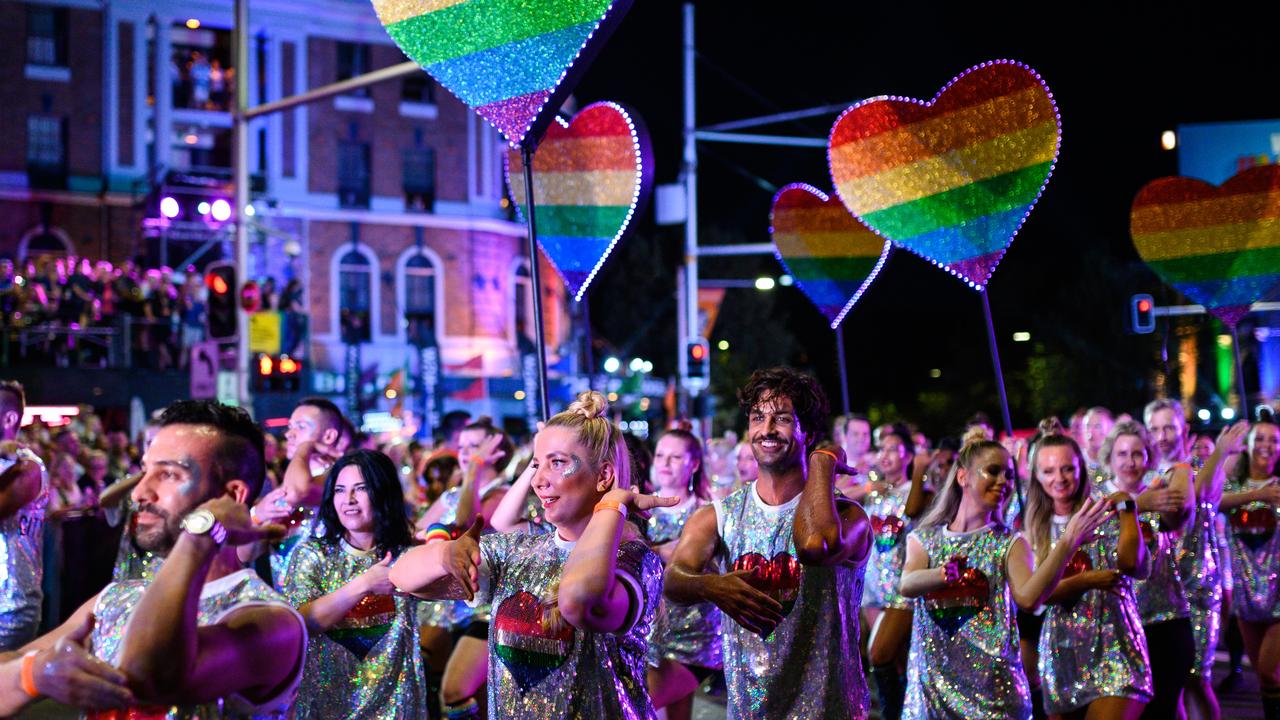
<point>945,504</point>
<point>1128,427</point>
<point>1039,517</point>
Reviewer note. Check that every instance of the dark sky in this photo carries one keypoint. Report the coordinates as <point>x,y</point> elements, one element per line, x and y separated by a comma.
<point>1120,77</point>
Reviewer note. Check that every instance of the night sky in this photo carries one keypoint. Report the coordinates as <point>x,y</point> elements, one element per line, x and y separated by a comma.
<point>1120,78</point>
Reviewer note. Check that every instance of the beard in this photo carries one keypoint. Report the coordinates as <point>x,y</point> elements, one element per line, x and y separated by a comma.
<point>158,539</point>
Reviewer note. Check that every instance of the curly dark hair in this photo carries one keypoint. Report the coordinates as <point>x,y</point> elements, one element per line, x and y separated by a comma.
<point>241,454</point>
<point>805,393</point>
<point>391,532</point>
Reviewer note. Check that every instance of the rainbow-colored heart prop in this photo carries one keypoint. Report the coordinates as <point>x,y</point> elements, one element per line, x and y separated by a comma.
<point>512,61</point>
<point>953,606</point>
<point>954,178</point>
<point>831,255</point>
<point>529,652</point>
<point>591,177</point>
<point>1218,245</point>
<point>885,531</point>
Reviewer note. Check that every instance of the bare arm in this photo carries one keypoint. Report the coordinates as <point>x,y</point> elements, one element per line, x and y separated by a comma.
<point>917,577</point>
<point>1032,585</point>
<point>62,669</point>
<point>509,515</point>
<point>823,533</point>
<point>19,485</point>
<point>591,597</point>
<point>1175,500</point>
<point>918,498</point>
<point>300,487</point>
<point>1269,494</point>
<point>442,570</point>
<point>328,610</point>
<point>1131,551</point>
<point>119,491</point>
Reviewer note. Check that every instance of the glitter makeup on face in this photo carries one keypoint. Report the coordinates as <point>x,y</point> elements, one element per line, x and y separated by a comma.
<point>572,468</point>
<point>952,179</point>
<point>1219,246</point>
<point>832,256</point>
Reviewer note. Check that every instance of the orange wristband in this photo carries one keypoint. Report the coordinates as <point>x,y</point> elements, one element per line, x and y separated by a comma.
<point>28,675</point>
<point>611,505</point>
<point>826,452</point>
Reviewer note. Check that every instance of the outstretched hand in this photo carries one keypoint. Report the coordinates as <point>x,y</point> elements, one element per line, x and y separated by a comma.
<point>1231,439</point>
<point>1091,514</point>
<point>638,503</point>
<point>462,558</point>
<point>241,530</point>
<point>68,673</point>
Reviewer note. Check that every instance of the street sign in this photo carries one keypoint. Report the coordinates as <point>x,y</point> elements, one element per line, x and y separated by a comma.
<point>228,388</point>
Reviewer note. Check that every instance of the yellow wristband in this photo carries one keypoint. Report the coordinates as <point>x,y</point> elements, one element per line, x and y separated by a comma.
<point>611,505</point>
<point>28,676</point>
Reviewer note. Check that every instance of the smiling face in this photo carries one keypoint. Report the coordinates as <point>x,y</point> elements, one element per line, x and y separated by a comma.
<point>351,501</point>
<point>1262,446</point>
<point>1096,427</point>
<point>175,480</point>
<point>891,458</point>
<point>566,485</point>
<point>776,437</point>
<point>748,469</point>
<point>1058,472</point>
<point>857,438</point>
<point>1128,461</point>
<point>673,466</point>
<point>988,481</point>
<point>469,442</point>
<point>1168,430</point>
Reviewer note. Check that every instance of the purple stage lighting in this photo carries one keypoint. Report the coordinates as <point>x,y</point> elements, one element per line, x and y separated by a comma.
<point>169,207</point>
<point>221,210</point>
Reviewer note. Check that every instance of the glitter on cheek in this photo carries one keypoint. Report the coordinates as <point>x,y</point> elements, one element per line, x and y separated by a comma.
<point>574,465</point>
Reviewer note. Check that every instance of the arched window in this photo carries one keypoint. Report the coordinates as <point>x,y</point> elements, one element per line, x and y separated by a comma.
<point>355,296</point>
<point>418,298</point>
<point>522,302</point>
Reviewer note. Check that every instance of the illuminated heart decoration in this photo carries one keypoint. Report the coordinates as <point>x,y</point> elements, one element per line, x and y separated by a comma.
<point>529,652</point>
<point>886,530</point>
<point>1253,526</point>
<point>831,255</point>
<point>1218,245</point>
<point>953,606</point>
<point>1080,562</point>
<point>511,61</point>
<point>364,625</point>
<point>779,578</point>
<point>954,178</point>
<point>591,177</point>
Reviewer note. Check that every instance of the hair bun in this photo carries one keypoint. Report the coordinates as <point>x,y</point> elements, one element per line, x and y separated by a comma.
<point>1051,426</point>
<point>590,404</point>
<point>974,435</point>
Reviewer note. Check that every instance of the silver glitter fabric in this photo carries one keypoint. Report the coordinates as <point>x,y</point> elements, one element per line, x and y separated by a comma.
<point>1254,546</point>
<point>447,613</point>
<point>964,662</point>
<point>687,634</point>
<point>1199,565</point>
<point>21,565</point>
<point>810,666</point>
<point>1094,646</point>
<point>540,672</point>
<point>1161,596</point>
<point>301,525</point>
<point>115,607</point>
<point>886,511</point>
<point>367,666</point>
<point>131,562</point>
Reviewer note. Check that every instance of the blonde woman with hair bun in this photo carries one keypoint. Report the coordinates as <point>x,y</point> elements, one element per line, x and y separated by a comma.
<point>571,609</point>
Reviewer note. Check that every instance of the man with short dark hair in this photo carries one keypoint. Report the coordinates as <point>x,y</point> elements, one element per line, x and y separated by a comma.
<point>24,495</point>
<point>212,640</point>
<point>794,552</point>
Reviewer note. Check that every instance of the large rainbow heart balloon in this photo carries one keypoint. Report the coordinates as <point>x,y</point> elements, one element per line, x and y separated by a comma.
<point>512,61</point>
<point>831,255</point>
<point>591,177</point>
<point>1218,245</point>
<point>954,178</point>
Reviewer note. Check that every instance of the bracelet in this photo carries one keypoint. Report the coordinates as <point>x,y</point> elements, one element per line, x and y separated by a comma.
<point>437,532</point>
<point>611,505</point>
<point>823,451</point>
<point>28,676</point>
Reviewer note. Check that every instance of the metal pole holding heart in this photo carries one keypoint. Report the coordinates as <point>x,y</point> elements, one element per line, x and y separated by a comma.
<point>1217,245</point>
<point>513,64</point>
<point>954,178</point>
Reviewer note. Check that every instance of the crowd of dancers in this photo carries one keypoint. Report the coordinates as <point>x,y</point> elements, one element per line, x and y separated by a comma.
<point>1089,571</point>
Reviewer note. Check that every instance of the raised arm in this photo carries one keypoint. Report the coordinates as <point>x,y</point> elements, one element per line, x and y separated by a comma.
<point>1132,557</point>
<point>1031,585</point>
<point>300,487</point>
<point>687,581</point>
<point>118,491</point>
<point>19,484</point>
<point>1211,479</point>
<point>823,533</point>
<point>509,515</point>
<point>919,497</point>
<point>1174,500</point>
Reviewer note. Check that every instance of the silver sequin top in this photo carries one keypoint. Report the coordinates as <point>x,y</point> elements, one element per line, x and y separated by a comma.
<point>886,512</point>
<point>1254,546</point>
<point>541,673</point>
<point>810,666</point>
<point>964,662</point>
<point>369,664</point>
<point>1161,597</point>
<point>218,599</point>
<point>1093,646</point>
<point>21,568</point>
<point>687,634</point>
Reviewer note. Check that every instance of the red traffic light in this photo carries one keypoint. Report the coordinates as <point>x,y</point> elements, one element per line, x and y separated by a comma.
<point>288,365</point>
<point>265,365</point>
<point>697,352</point>
<point>216,283</point>
<point>1144,305</point>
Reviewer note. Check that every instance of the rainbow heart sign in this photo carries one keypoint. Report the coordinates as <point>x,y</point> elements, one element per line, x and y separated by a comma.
<point>591,177</point>
<point>1218,245</point>
<point>528,651</point>
<point>831,255</point>
<point>954,178</point>
<point>953,606</point>
<point>511,61</point>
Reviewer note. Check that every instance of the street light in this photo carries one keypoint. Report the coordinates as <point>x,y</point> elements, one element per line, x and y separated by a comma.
<point>765,283</point>
<point>1168,140</point>
<point>636,365</point>
<point>786,280</point>
<point>1204,414</point>
<point>1021,336</point>
<point>611,364</point>
<point>723,344</point>
<point>1228,414</point>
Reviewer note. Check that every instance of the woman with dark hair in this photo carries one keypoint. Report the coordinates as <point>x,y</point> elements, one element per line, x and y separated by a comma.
<point>684,647</point>
<point>362,656</point>
<point>1092,651</point>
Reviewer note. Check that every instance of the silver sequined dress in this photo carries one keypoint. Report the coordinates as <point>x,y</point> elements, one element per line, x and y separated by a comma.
<point>1094,646</point>
<point>964,662</point>
<point>810,666</point>
<point>1254,546</point>
<point>1200,562</point>
<point>452,614</point>
<point>368,665</point>
<point>1161,597</point>
<point>219,598</point>
<point>21,569</point>
<point>687,634</point>
<point>541,673</point>
<point>886,511</point>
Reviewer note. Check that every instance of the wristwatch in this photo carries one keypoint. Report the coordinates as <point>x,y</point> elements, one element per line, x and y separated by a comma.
<point>1125,505</point>
<point>202,522</point>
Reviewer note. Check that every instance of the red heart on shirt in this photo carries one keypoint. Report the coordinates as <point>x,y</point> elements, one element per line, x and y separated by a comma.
<point>779,578</point>
<point>528,650</point>
<point>953,606</point>
<point>1253,526</point>
<point>885,530</point>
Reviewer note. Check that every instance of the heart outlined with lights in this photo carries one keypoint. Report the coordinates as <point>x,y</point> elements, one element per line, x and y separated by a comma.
<point>832,257</point>
<point>512,63</point>
<point>1217,245</point>
<point>529,651</point>
<point>954,178</point>
<point>591,177</point>
<point>955,605</point>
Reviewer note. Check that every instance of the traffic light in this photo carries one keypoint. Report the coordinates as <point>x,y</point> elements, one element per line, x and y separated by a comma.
<point>277,374</point>
<point>221,320</point>
<point>698,358</point>
<point>1142,313</point>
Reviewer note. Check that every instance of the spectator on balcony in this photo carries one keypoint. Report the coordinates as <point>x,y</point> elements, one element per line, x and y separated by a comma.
<point>201,74</point>
<point>159,314</point>
<point>291,304</point>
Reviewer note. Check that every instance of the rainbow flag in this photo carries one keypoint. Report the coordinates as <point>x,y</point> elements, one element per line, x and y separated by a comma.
<point>832,257</point>
<point>590,177</point>
<point>952,179</point>
<point>512,61</point>
<point>1219,246</point>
